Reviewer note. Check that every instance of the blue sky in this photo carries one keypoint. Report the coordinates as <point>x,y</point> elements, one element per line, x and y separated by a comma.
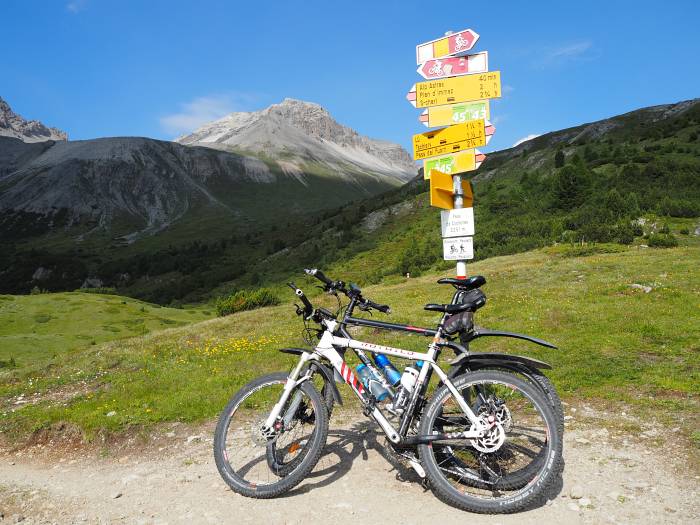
<point>100,68</point>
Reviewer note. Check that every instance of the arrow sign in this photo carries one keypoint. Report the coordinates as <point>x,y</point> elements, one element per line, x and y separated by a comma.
<point>466,88</point>
<point>471,134</point>
<point>454,66</point>
<point>439,116</point>
<point>460,42</point>
<point>442,191</point>
<point>454,163</point>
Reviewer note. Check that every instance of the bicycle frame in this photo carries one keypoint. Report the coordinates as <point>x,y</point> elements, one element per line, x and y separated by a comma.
<point>327,349</point>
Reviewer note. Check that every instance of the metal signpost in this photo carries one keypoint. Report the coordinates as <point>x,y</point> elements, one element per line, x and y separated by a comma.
<point>456,95</point>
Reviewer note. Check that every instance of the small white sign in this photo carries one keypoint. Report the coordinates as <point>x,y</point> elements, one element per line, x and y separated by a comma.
<point>458,248</point>
<point>457,223</point>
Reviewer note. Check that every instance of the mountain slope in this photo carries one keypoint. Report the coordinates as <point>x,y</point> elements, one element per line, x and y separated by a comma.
<point>570,186</point>
<point>295,132</point>
<point>612,172</point>
<point>13,125</point>
<point>132,187</point>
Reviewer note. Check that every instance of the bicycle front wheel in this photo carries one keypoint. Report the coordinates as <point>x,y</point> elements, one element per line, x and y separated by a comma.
<point>241,448</point>
<point>508,468</point>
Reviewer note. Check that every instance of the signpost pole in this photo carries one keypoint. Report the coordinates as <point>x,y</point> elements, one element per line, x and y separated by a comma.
<point>459,204</point>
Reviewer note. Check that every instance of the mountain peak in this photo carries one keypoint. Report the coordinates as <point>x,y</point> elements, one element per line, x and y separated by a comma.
<point>13,125</point>
<point>298,131</point>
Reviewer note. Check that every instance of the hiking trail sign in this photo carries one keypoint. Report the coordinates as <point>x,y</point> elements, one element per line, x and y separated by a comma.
<point>455,98</point>
<point>457,223</point>
<point>469,135</point>
<point>451,90</point>
<point>449,114</point>
<point>454,66</point>
<point>461,162</point>
<point>458,248</point>
<point>448,45</point>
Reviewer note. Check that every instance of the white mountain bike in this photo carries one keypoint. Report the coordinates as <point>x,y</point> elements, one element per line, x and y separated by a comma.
<point>487,441</point>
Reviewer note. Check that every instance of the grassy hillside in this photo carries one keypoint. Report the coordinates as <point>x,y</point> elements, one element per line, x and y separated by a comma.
<point>586,183</point>
<point>617,343</point>
<point>36,329</point>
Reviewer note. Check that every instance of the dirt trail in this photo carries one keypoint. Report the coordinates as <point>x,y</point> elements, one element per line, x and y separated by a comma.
<point>174,480</point>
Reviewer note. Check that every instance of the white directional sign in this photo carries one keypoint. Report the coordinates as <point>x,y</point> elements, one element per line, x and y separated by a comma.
<point>458,248</point>
<point>457,223</point>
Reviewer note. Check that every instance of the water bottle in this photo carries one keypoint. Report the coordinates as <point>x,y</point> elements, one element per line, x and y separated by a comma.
<point>392,375</point>
<point>409,378</point>
<point>371,382</point>
<point>407,383</point>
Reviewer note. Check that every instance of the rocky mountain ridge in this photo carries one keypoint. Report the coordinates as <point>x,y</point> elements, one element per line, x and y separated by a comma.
<point>13,125</point>
<point>296,132</point>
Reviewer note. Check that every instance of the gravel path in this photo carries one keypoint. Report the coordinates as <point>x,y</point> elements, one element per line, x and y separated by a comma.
<point>172,479</point>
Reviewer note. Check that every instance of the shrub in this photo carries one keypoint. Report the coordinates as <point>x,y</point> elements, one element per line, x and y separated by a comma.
<point>245,300</point>
<point>685,231</point>
<point>660,240</point>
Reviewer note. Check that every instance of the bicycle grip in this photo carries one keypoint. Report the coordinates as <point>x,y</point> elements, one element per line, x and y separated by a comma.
<point>319,275</point>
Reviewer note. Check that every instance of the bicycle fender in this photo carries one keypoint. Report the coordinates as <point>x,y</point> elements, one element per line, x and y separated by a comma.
<point>296,351</point>
<point>325,372</point>
<point>485,332</point>
<point>482,359</point>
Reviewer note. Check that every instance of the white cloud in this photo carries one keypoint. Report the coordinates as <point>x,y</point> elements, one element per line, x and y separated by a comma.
<point>562,54</point>
<point>570,51</point>
<point>197,112</point>
<point>75,6</point>
<point>525,139</point>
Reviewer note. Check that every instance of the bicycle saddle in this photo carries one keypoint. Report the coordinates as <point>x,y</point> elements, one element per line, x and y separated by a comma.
<point>472,283</point>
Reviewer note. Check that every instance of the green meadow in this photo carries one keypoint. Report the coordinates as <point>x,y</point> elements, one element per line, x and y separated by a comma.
<point>618,346</point>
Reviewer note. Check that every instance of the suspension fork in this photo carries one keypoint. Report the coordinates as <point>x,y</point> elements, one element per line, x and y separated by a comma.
<point>291,383</point>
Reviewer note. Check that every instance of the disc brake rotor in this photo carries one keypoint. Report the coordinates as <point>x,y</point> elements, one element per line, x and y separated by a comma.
<point>492,439</point>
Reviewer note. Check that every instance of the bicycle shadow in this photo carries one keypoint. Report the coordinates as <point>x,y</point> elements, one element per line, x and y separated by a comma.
<point>346,445</point>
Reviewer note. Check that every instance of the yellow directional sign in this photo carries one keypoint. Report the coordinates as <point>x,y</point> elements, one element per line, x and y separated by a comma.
<point>471,134</point>
<point>456,89</point>
<point>442,191</point>
<point>438,116</point>
<point>454,163</point>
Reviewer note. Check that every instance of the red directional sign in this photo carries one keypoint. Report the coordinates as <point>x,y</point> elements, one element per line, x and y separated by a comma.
<point>454,66</point>
<point>446,46</point>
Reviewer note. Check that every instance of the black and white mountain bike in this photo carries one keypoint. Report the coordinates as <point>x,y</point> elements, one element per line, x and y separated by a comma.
<point>488,437</point>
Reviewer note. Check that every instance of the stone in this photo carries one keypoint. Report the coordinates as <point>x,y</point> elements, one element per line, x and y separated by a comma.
<point>194,439</point>
<point>584,502</point>
<point>117,495</point>
<point>111,413</point>
<point>576,492</point>
<point>644,288</point>
<point>573,506</point>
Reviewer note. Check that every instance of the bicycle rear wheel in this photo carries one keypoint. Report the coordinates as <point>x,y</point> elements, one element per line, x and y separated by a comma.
<point>511,466</point>
<point>241,449</point>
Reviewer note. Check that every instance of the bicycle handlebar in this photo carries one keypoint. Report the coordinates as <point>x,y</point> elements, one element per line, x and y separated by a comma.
<point>319,275</point>
<point>308,307</point>
<point>385,308</point>
<point>340,286</point>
